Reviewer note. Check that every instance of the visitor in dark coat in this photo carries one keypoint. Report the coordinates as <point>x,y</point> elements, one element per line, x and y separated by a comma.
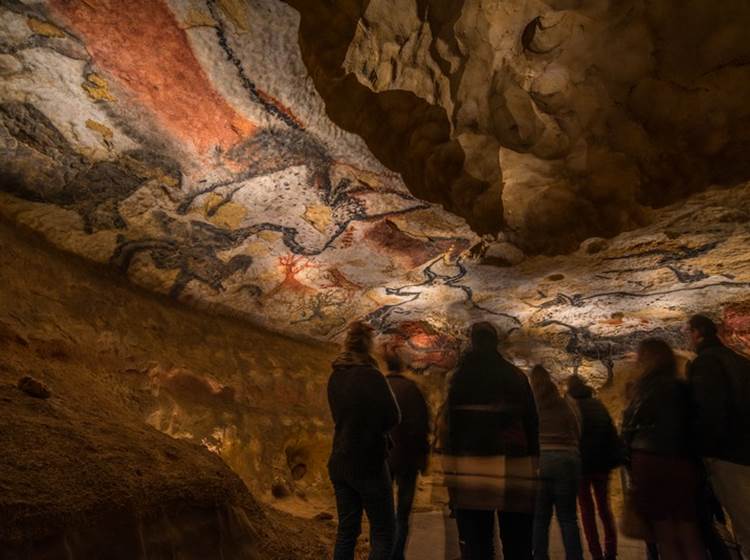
<point>491,421</point>
<point>600,453</point>
<point>659,448</point>
<point>410,447</point>
<point>364,411</point>
<point>720,388</point>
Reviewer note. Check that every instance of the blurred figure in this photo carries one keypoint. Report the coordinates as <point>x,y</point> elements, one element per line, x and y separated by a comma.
<point>364,411</point>
<point>663,467</point>
<point>559,467</point>
<point>410,447</point>
<point>491,446</point>
<point>600,453</point>
<point>720,385</point>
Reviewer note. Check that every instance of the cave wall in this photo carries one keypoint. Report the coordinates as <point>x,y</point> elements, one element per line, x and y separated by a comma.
<point>237,168</point>
<point>205,169</point>
<point>254,398</point>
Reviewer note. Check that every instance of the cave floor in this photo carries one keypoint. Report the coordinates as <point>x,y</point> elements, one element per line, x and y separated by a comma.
<point>433,537</point>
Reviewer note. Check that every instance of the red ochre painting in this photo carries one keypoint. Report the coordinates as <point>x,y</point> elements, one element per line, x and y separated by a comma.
<point>139,44</point>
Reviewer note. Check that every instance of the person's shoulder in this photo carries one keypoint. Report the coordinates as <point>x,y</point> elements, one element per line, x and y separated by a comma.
<point>363,371</point>
<point>517,373</point>
<point>708,359</point>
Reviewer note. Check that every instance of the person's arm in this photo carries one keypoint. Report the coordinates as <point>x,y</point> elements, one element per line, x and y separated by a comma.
<point>332,400</point>
<point>577,421</point>
<point>423,427</point>
<point>385,402</point>
<point>710,403</point>
<point>531,420</point>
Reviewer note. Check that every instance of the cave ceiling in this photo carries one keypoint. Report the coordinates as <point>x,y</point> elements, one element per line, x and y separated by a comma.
<point>302,164</point>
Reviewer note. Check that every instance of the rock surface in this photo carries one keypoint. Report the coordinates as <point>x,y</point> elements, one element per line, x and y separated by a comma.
<point>578,112</point>
<point>238,167</point>
<point>255,399</point>
<point>33,387</point>
<point>83,476</point>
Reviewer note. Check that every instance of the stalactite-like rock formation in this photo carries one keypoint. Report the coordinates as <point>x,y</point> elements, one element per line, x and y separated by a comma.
<point>579,113</point>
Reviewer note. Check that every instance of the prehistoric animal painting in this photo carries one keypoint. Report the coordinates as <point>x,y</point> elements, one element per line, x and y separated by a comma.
<point>42,166</point>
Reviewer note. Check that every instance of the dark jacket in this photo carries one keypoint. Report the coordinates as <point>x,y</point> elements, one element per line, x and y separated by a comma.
<point>364,411</point>
<point>720,383</point>
<point>601,448</point>
<point>410,438</point>
<point>490,408</point>
<point>657,420</point>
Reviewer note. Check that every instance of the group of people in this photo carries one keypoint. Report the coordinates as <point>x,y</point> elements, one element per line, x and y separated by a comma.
<point>515,448</point>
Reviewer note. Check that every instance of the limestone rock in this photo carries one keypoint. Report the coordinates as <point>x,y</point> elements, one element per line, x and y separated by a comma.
<point>34,387</point>
<point>594,245</point>
<point>502,254</point>
<point>300,164</point>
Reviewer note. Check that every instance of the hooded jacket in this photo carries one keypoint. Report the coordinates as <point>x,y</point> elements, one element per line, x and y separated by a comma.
<point>490,408</point>
<point>601,448</point>
<point>364,410</point>
<point>410,438</point>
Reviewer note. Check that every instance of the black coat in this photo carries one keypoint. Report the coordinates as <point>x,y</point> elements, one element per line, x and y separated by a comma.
<point>410,438</point>
<point>601,448</point>
<point>364,411</point>
<point>720,383</point>
<point>657,420</point>
<point>490,408</point>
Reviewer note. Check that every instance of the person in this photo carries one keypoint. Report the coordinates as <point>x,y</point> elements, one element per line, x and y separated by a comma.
<point>410,446</point>
<point>492,424</point>
<point>559,467</point>
<point>600,454</point>
<point>719,380</point>
<point>364,410</point>
<point>662,464</point>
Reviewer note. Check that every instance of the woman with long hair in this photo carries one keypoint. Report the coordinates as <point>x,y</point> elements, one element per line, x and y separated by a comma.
<point>364,411</point>
<point>559,467</point>
<point>663,466</point>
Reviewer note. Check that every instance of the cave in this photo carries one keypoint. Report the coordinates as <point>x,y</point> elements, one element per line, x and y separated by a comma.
<point>198,196</point>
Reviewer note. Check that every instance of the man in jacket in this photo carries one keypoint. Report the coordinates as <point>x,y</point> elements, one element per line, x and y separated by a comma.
<point>720,382</point>
<point>364,412</point>
<point>492,421</point>
<point>410,447</point>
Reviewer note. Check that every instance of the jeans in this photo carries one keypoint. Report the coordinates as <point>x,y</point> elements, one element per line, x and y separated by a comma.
<point>476,531</point>
<point>731,484</point>
<point>406,483</point>
<point>375,497</point>
<point>597,483</point>
<point>559,473</point>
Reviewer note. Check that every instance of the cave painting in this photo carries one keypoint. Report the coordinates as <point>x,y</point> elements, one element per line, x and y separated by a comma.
<point>200,174</point>
<point>139,43</point>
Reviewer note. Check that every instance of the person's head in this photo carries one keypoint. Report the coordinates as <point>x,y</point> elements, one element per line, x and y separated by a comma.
<point>655,355</point>
<point>393,362</point>
<point>578,388</point>
<point>484,336</point>
<point>700,328</point>
<point>359,338</point>
<point>542,384</point>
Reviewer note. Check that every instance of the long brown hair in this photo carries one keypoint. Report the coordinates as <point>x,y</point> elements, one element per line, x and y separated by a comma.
<point>657,358</point>
<point>545,390</point>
